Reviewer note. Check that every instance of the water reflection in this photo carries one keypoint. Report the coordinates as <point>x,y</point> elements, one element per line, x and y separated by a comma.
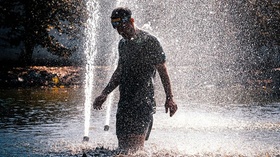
<point>30,115</point>
<point>36,106</point>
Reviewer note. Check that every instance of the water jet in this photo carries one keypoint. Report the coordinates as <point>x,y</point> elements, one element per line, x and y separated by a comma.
<point>106,127</point>
<point>85,139</point>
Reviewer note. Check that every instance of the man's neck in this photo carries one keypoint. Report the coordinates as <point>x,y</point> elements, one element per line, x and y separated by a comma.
<point>135,34</point>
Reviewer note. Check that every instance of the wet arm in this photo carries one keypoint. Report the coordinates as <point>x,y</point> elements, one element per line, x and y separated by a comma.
<point>162,70</point>
<point>169,103</point>
<point>113,83</point>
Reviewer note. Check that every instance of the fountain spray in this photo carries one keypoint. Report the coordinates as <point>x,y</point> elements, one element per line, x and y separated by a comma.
<point>90,53</point>
<point>108,113</point>
<point>85,139</point>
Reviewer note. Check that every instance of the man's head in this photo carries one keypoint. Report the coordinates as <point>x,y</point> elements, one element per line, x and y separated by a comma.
<point>122,21</point>
<point>120,15</point>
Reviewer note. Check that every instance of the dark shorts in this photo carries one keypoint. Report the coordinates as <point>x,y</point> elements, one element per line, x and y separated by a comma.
<point>131,121</point>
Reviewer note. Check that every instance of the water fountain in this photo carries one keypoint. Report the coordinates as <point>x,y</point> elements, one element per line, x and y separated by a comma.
<point>97,54</point>
<point>90,52</point>
<point>204,46</point>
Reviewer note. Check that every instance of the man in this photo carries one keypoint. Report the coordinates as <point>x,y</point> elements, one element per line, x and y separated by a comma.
<point>140,55</point>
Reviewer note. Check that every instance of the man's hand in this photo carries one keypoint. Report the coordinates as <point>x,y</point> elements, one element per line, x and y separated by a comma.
<point>97,104</point>
<point>170,104</point>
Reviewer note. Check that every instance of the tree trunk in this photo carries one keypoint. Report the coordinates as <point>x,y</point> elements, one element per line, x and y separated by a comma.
<point>26,54</point>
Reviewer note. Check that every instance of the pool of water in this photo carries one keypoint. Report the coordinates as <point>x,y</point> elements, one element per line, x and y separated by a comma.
<point>50,122</point>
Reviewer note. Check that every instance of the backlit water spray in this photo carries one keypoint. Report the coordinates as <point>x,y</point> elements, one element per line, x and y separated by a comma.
<point>202,43</point>
<point>90,52</point>
<point>108,112</point>
<point>111,96</point>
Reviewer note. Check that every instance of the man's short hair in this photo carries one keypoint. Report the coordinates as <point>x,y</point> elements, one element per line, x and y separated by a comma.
<point>121,12</point>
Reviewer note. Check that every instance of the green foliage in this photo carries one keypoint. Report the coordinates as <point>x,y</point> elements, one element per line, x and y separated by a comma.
<point>31,21</point>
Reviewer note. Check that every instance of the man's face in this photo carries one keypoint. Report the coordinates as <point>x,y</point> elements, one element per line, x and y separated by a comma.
<point>126,30</point>
<point>124,27</point>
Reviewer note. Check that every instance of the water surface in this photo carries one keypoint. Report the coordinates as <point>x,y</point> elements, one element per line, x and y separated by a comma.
<point>50,122</point>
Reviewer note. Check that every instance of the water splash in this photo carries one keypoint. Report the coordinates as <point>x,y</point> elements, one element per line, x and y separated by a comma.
<point>90,52</point>
<point>205,47</point>
<point>108,113</point>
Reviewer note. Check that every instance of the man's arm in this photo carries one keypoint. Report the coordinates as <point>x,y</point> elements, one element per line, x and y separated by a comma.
<point>169,103</point>
<point>113,83</point>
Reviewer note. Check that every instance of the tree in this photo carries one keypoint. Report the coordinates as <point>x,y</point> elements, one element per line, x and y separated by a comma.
<point>32,23</point>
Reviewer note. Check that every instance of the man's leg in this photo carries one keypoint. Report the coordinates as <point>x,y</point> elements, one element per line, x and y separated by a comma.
<point>131,143</point>
<point>150,126</point>
<point>131,129</point>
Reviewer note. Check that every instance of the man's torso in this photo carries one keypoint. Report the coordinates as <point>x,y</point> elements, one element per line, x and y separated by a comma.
<point>138,58</point>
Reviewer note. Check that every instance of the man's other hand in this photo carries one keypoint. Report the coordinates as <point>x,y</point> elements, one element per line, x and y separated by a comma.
<point>170,104</point>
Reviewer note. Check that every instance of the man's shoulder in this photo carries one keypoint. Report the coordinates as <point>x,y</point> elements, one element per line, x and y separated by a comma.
<point>146,34</point>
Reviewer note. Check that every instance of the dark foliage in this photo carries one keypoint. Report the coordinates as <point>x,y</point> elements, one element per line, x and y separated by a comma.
<point>29,23</point>
<point>259,21</point>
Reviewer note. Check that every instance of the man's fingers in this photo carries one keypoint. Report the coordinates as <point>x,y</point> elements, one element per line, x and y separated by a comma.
<point>97,107</point>
<point>173,109</point>
<point>171,112</point>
